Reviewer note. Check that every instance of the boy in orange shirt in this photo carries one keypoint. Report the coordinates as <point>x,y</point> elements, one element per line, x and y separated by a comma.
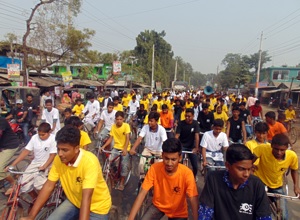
<point>172,183</point>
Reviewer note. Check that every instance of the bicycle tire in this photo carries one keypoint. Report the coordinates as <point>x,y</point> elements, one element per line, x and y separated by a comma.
<point>293,135</point>
<point>45,212</point>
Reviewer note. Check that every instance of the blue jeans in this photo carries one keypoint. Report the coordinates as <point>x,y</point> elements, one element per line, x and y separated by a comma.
<point>194,160</point>
<point>283,204</point>
<point>68,211</point>
<point>154,213</point>
<point>249,130</point>
<point>25,127</point>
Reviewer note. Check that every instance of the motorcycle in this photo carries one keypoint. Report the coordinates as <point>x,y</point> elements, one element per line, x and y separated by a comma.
<point>17,129</point>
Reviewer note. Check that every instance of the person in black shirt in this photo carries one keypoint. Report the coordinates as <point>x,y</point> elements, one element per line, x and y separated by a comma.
<point>8,147</point>
<point>236,131</point>
<point>245,115</point>
<point>32,110</point>
<point>188,133</point>
<point>141,114</point>
<point>234,193</point>
<point>205,119</point>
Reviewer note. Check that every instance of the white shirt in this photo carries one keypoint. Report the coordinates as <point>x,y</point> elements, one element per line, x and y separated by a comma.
<point>108,118</point>
<point>49,117</point>
<point>41,149</point>
<point>196,112</point>
<point>133,106</point>
<point>106,100</point>
<point>93,108</point>
<point>154,140</point>
<point>213,144</point>
<point>138,97</point>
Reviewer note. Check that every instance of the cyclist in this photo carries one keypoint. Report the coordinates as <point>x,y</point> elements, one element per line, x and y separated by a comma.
<point>106,100</point>
<point>145,102</point>
<point>261,131</point>
<point>154,135</point>
<point>117,105</point>
<point>212,143</point>
<point>78,108</point>
<point>20,115</point>
<point>9,144</point>
<point>234,193</point>
<point>219,114</point>
<point>51,116</point>
<point>290,116</point>
<point>88,196</point>
<point>167,121</point>
<point>67,114</point>
<point>274,161</point>
<point>125,100</point>
<point>245,115</point>
<point>32,110</point>
<point>140,116</point>
<point>84,137</point>
<point>205,119</point>
<point>43,146</point>
<point>153,109</point>
<point>107,119</point>
<point>91,111</point>
<point>236,131</point>
<point>256,111</point>
<point>188,133</point>
<point>172,183</point>
<point>120,133</point>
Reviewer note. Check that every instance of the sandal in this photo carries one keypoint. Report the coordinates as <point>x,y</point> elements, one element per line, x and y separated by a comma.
<point>9,191</point>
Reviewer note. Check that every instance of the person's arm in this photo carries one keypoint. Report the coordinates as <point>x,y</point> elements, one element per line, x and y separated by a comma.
<point>196,149</point>
<point>137,204</point>
<point>204,156</point>
<point>84,213</point>
<point>177,136</point>
<point>21,157</point>
<point>194,206</point>
<point>42,198</point>
<point>53,125</point>
<point>135,145</point>
<point>295,177</point>
<point>126,144</point>
<point>244,132</point>
<point>228,129</point>
<point>23,117</point>
<point>99,126</point>
<point>10,116</point>
<point>48,162</point>
<point>107,143</point>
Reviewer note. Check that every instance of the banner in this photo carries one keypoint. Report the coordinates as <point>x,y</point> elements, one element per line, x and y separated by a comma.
<point>158,86</point>
<point>13,71</point>
<point>117,67</point>
<point>67,79</point>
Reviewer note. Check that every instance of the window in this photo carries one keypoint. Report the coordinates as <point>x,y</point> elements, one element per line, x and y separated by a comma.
<point>281,74</point>
<point>298,76</point>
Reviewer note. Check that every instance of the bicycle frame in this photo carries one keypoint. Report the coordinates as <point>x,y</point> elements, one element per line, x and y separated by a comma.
<point>185,160</point>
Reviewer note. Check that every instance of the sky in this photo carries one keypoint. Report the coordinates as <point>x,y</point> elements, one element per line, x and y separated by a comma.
<point>202,32</point>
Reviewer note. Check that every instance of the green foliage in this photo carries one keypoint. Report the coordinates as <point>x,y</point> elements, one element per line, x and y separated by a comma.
<point>252,60</point>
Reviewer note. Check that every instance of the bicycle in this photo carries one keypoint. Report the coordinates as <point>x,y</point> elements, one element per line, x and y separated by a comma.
<point>112,170</point>
<point>15,204</point>
<point>276,210</point>
<point>100,142</point>
<point>211,167</point>
<point>149,161</point>
<point>292,132</point>
<point>185,160</point>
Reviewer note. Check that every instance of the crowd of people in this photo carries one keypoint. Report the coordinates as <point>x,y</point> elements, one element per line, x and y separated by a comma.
<point>219,129</point>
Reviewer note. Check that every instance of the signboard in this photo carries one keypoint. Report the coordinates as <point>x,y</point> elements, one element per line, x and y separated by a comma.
<point>13,71</point>
<point>67,79</point>
<point>117,67</point>
<point>158,86</point>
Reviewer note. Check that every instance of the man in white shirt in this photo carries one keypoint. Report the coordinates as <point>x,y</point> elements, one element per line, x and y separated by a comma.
<point>154,135</point>
<point>91,111</point>
<point>51,116</point>
<point>133,105</point>
<point>107,99</point>
<point>250,101</point>
<point>212,143</point>
<point>107,118</point>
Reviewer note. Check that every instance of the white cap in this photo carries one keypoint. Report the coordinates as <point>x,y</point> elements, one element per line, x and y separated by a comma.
<point>19,101</point>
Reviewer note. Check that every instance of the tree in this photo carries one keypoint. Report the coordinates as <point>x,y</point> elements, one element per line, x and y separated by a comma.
<point>50,36</point>
<point>252,60</point>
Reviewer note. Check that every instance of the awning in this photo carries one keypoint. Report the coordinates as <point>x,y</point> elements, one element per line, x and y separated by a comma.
<point>92,82</point>
<point>45,81</point>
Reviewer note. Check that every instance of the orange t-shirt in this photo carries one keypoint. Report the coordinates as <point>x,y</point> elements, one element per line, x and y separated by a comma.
<point>277,128</point>
<point>170,191</point>
<point>166,119</point>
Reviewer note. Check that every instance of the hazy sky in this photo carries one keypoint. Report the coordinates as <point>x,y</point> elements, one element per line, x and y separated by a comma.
<point>202,32</point>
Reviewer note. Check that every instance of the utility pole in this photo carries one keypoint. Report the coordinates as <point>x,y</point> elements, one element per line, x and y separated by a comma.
<point>175,76</point>
<point>152,74</point>
<point>184,75</point>
<point>258,67</point>
<point>69,26</point>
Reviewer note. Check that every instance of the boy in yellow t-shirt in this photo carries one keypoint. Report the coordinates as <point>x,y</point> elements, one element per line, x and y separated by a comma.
<point>125,100</point>
<point>78,108</point>
<point>189,103</point>
<point>120,132</point>
<point>145,102</point>
<point>219,114</point>
<point>290,115</point>
<point>117,105</point>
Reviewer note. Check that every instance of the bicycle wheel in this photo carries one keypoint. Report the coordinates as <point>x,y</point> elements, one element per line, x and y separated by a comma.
<point>293,135</point>
<point>45,212</point>
<point>129,173</point>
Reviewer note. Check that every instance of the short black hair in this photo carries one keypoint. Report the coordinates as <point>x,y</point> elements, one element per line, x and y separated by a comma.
<point>110,104</point>
<point>164,106</point>
<point>190,110</point>
<point>68,135</point>
<point>218,123</point>
<point>29,94</point>
<point>271,115</point>
<point>116,98</point>
<point>236,108</point>
<point>44,127</point>
<point>243,103</point>
<point>153,115</point>
<point>204,106</point>
<point>68,110</point>
<point>261,127</point>
<point>133,97</point>
<point>238,152</point>
<point>48,101</point>
<point>153,108</point>
<point>119,113</point>
<point>73,120</point>
<point>172,145</point>
<point>280,140</point>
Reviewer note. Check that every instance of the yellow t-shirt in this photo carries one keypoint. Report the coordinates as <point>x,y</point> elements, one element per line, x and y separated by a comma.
<point>125,101</point>
<point>100,99</point>
<point>270,170</point>
<point>145,103</point>
<point>84,139</point>
<point>252,144</point>
<point>182,116</point>
<point>213,101</point>
<point>119,107</point>
<point>224,108</point>
<point>171,107</point>
<point>223,116</point>
<point>119,135</point>
<point>167,102</point>
<point>289,115</point>
<point>80,176</point>
<point>158,103</point>
<point>211,107</point>
<point>78,109</point>
<point>146,120</point>
<point>189,105</point>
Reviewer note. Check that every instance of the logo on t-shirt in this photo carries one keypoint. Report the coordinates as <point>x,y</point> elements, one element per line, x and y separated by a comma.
<point>78,180</point>
<point>176,190</point>
<point>46,148</point>
<point>246,208</point>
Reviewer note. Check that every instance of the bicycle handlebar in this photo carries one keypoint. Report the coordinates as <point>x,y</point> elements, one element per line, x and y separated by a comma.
<point>187,152</point>
<point>216,167</point>
<point>13,171</point>
<point>110,152</point>
<point>148,157</point>
<point>276,195</point>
